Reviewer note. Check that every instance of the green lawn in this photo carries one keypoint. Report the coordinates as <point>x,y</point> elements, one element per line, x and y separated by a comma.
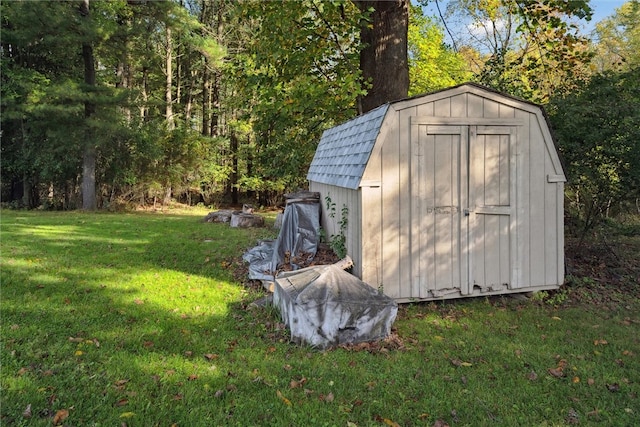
<point>137,320</point>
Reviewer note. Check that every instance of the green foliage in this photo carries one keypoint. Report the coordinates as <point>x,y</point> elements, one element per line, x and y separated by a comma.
<point>531,49</point>
<point>598,129</point>
<point>338,242</point>
<point>252,86</point>
<point>618,39</point>
<point>300,72</point>
<point>432,64</point>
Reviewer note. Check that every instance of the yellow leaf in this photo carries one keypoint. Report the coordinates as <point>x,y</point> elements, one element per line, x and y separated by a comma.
<point>389,422</point>
<point>576,380</point>
<point>556,318</point>
<point>438,338</point>
<point>284,399</point>
<point>467,364</point>
<point>127,414</point>
<point>79,353</point>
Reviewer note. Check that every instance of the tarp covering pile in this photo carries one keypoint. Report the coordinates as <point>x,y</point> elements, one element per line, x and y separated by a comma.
<point>296,242</point>
<point>325,306</point>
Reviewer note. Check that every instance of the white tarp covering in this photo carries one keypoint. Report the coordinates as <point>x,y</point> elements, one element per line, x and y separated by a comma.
<point>297,241</point>
<point>324,306</point>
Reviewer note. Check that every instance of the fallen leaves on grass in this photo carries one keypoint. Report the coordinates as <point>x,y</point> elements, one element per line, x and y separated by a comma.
<point>297,383</point>
<point>392,342</point>
<point>558,372</point>
<point>458,363</point>
<point>386,421</point>
<point>120,384</point>
<point>284,399</point>
<point>60,416</point>
<point>328,398</point>
<point>27,411</point>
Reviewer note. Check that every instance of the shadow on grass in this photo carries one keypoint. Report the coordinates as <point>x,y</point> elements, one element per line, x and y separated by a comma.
<point>136,319</point>
<point>104,313</point>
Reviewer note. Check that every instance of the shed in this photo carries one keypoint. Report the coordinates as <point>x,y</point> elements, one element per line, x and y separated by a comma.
<point>451,194</point>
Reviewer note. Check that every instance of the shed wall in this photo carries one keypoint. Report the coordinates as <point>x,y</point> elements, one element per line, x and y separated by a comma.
<point>387,231</point>
<point>537,258</point>
<point>340,197</point>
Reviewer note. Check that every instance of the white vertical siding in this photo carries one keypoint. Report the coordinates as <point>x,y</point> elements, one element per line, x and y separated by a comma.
<point>392,240</point>
<point>351,199</point>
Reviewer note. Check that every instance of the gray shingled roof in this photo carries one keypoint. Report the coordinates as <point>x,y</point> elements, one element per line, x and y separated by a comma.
<point>344,150</point>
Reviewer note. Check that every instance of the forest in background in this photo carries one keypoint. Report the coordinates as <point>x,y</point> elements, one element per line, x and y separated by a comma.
<point>220,101</point>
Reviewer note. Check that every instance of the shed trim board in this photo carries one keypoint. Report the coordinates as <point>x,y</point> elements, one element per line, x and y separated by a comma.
<point>452,194</point>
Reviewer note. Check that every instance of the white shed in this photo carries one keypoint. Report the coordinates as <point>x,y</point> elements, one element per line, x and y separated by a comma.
<point>452,194</point>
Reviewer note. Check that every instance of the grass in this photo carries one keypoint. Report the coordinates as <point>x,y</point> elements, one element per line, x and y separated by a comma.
<point>137,320</point>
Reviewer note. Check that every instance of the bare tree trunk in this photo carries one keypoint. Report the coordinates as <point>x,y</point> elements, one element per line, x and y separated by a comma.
<point>383,60</point>
<point>144,108</point>
<point>89,201</point>
<point>169,106</point>
<point>123,69</point>
<point>206,90</point>
<point>169,83</point>
<point>234,172</point>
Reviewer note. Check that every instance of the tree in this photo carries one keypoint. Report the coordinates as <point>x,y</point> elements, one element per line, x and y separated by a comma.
<point>41,99</point>
<point>296,73</point>
<point>383,58</point>
<point>618,39</point>
<point>598,129</point>
<point>89,153</point>
<point>432,64</point>
<point>529,48</point>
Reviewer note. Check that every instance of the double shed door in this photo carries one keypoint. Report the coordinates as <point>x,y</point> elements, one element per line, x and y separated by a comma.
<point>463,196</point>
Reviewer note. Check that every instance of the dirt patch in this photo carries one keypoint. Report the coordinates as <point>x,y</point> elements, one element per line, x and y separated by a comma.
<point>603,271</point>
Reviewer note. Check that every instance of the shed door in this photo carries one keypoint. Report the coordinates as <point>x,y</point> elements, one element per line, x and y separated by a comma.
<point>490,203</point>
<point>461,183</point>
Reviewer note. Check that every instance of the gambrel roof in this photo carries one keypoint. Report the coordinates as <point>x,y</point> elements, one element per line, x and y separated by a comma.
<point>344,150</point>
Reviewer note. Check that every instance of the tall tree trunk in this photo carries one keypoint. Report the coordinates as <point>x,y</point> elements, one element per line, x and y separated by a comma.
<point>206,91</point>
<point>123,68</point>
<point>169,107</point>
<point>233,140</point>
<point>144,108</point>
<point>383,60</point>
<point>169,82</point>
<point>89,201</point>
